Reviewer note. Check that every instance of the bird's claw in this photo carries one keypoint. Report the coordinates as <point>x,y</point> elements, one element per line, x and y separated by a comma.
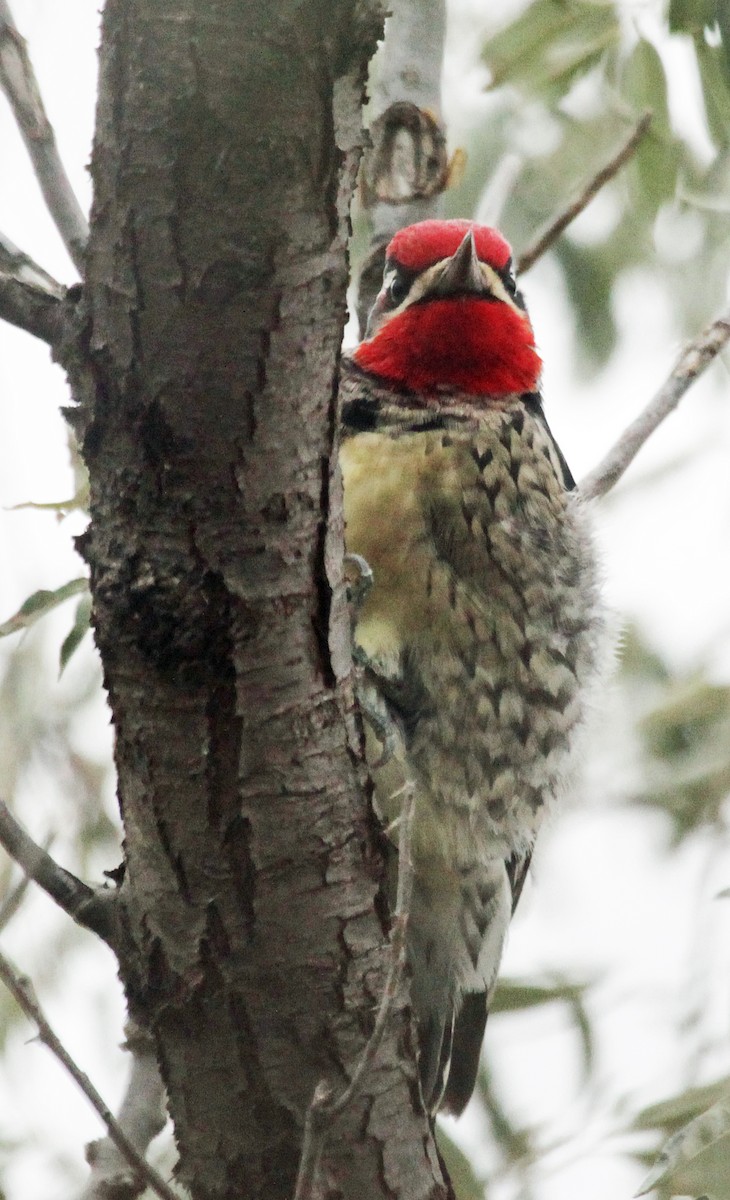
<point>375,710</point>
<point>372,704</point>
<point>359,587</point>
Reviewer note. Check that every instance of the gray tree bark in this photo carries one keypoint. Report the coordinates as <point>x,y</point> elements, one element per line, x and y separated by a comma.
<point>203,359</point>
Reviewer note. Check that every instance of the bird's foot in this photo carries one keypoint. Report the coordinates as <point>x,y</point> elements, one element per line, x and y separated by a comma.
<point>374,708</point>
<point>358,580</point>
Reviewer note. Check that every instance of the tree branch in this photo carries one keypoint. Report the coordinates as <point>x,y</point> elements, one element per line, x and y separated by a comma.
<point>29,297</point>
<point>695,358</point>
<point>13,901</point>
<point>90,908</point>
<point>410,66</point>
<point>324,1107</point>
<point>15,898</point>
<point>411,62</point>
<point>142,1116</point>
<point>30,308</point>
<point>552,232</point>
<point>22,990</point>
<point>18,81</point>
<point>15,262</point>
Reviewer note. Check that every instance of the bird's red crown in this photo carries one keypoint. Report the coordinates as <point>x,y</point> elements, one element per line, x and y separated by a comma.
<point>449,318</point>
<point>420,246</point>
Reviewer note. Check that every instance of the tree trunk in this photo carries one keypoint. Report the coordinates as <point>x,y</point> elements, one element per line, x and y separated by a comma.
<point>227,140</point>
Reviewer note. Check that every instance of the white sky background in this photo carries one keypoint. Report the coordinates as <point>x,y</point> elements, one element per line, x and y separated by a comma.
<point>607,901</point>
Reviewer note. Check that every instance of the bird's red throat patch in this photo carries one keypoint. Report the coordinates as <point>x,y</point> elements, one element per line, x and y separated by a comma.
<point>461,343</point>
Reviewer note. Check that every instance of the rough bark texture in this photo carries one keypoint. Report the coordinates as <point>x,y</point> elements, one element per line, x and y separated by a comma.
<point>227,139</point>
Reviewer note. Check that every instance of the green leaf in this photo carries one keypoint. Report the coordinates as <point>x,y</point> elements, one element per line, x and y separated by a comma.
<point>670,1115</point>
<point>723,22</point>
<point>590,273</point>
<point>696,1159</point>
<point>551,45</point>
<point>467,1186</point>
<point>687,743</point>
<point>78,630</point>
<point>40,603</point>
<point>708,193</point>
<point>515,1143</point>
<point>689,718</point>
<point>513,995</point>
<point>644,85</point>
<point>714,75</point>
<point>639,659</point>
<point>691,16</point>
<point>79,502</point>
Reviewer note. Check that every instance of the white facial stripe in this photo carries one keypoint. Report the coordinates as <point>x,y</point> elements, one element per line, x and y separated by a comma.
<point>497,288</point>
<point>426,280</point>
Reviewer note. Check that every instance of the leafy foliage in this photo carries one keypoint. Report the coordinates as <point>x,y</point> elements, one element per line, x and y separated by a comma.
<point>552,45</point>
<point>518,996</point>
<point>683,725</point>
<point>687,744</point>
<point>41,603</point>
<point>696,1158</point>
<point>567,80</point>
<point>80,627</point>
<point>581,73</point>
<point>467,1185</point>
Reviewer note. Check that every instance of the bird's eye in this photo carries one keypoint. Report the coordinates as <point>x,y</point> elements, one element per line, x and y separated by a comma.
<point>397,290</point>
<point>509,280</point>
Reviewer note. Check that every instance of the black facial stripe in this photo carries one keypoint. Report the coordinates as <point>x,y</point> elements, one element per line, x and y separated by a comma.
<point>533,404</point>
<point>403,278</point>
<point>507,276</point>
<point>486,296</point>
<point>360,415</point>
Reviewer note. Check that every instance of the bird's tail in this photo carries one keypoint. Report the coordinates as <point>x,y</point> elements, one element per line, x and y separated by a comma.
<point>455,936</point>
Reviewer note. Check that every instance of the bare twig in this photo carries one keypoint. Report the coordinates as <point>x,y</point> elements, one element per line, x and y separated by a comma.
<point>13,901</point>
<point>15,898</point>
<point>31,308</point>
<point>18,81</point>
<point>325,1107</point>
<point>695,357</point>
<point>142,1115</point>
<point>552,232</point>
<point>15,262</point>
<point>29,297</point>
<point>22,989</point>
<point>94,910</point>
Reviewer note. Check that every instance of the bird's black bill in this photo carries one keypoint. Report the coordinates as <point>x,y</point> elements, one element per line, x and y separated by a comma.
<point>463,273</point>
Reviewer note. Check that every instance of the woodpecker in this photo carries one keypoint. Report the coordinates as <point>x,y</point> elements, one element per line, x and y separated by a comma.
<point>478,637</point>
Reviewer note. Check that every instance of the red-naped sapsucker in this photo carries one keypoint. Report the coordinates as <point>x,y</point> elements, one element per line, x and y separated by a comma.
<point>478,636</point>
